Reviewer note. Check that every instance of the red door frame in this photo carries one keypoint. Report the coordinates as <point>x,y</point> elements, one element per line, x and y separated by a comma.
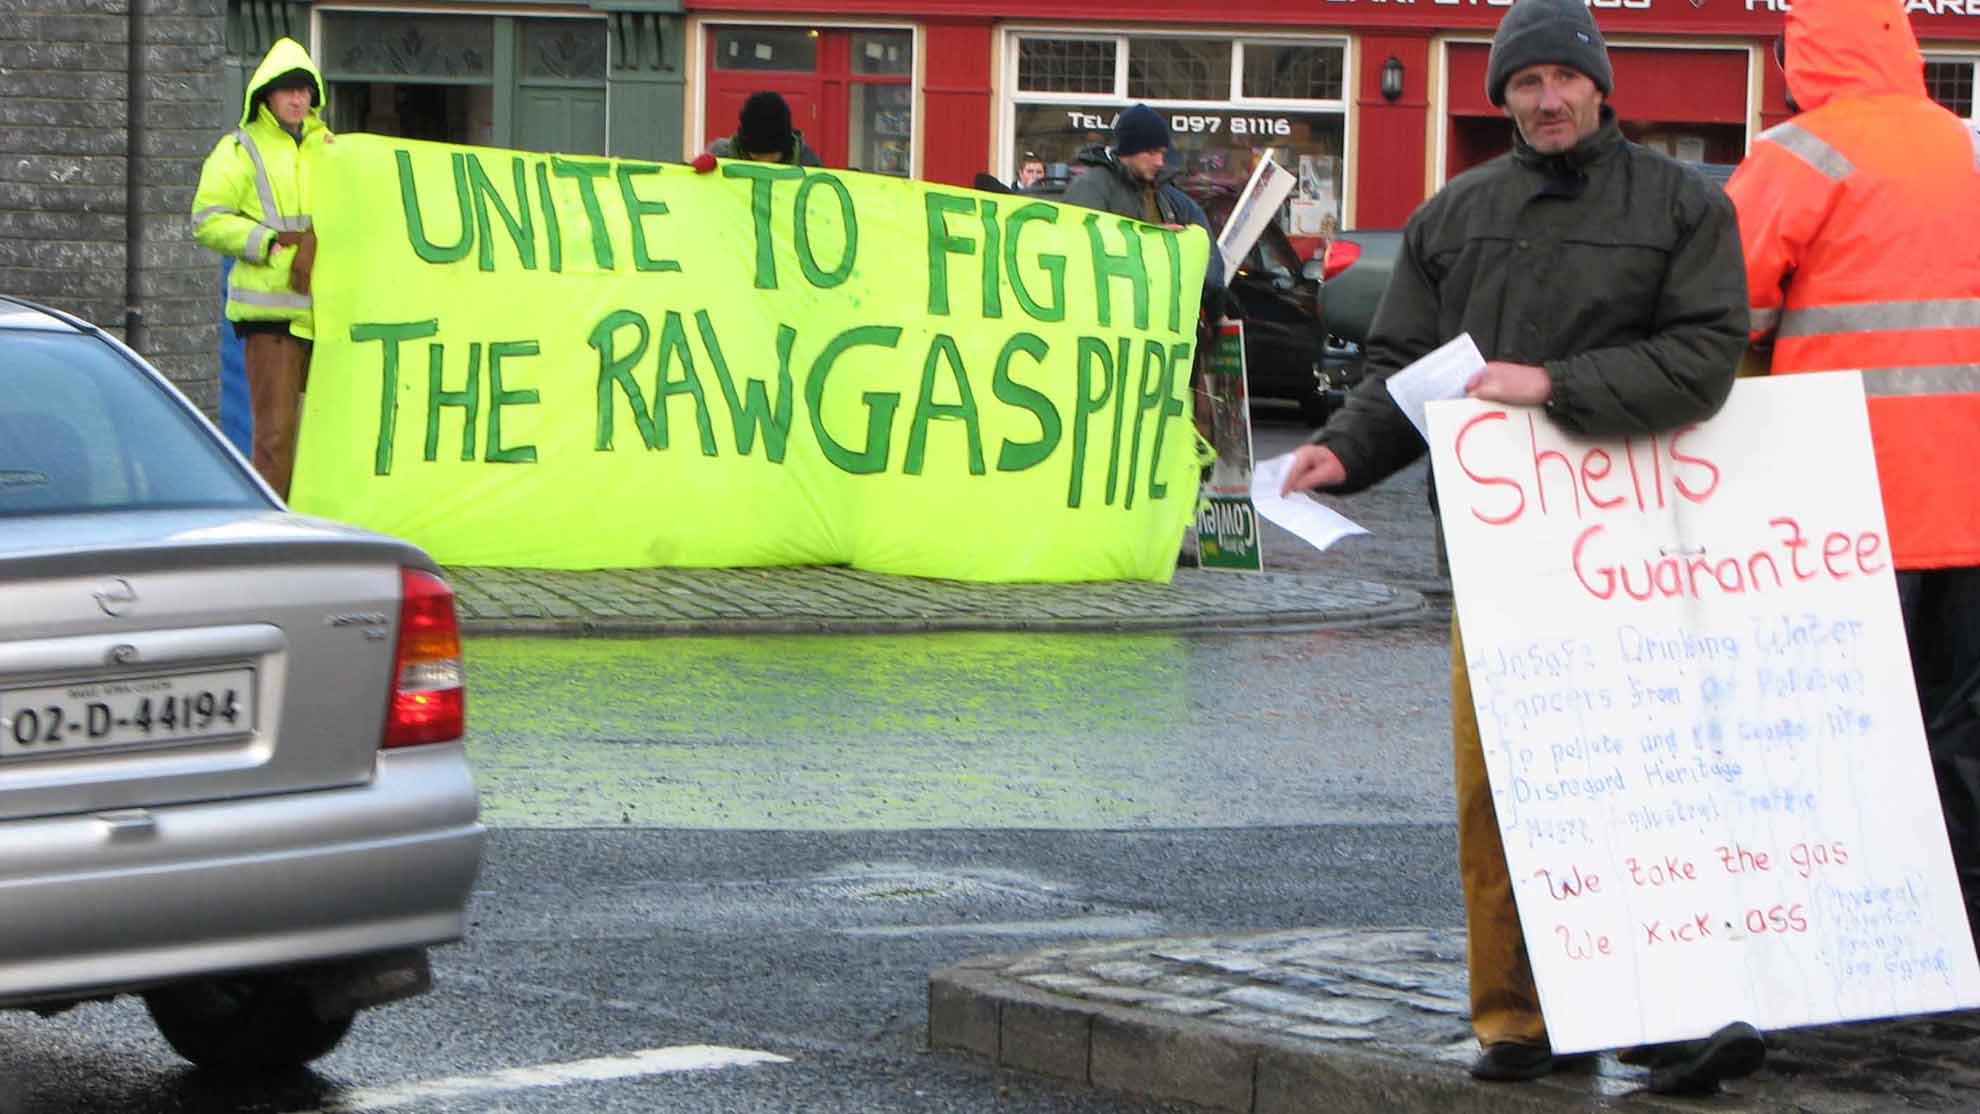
<point>827,91</point>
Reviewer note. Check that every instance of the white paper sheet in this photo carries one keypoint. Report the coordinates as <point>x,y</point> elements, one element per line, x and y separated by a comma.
<point>1440,375</point>
<point>1316,524</point>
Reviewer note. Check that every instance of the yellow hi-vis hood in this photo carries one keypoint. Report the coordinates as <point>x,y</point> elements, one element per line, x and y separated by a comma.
<point>287,54</point>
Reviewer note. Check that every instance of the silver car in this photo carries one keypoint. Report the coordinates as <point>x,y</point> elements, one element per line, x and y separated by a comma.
<point>231,771</point>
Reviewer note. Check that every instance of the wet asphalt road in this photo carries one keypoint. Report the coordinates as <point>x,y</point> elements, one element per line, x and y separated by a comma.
<point>767,843</point>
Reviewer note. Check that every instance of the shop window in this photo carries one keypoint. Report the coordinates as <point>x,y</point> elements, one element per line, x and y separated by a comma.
<point>1288,101</point>
<point>396,45</point>
<point>1066,65</point>
<point>765,48</point>
<point>563,50</point>
<point>501,81</point>
<point>883,52</point>
<point>1179,69</point>
<point>1293,72</point>
<point>1950,83</point>
<point>882,126</point>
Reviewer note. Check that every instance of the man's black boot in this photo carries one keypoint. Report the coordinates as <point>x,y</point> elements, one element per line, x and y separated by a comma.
<point>1697,1067</point>
<point>1507,1062</point>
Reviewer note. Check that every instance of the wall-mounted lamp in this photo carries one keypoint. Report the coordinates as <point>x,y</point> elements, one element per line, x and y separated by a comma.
<point>1392,79</point>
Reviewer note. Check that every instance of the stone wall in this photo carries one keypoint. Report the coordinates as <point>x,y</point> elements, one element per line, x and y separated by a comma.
<point>65,105</point>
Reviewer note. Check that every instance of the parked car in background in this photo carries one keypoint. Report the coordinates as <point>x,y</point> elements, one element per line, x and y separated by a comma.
<point>231,772</point>
<point>1354,272</point>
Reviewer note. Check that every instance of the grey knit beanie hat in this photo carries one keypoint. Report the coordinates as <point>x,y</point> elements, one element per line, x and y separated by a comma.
<point>1538,32</point>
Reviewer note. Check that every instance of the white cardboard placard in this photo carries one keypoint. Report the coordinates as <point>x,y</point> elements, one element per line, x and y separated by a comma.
<point>1699,720</point>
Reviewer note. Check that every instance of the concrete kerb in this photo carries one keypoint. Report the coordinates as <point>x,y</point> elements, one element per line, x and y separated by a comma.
<point>629,603</point>
<point>974,1009</point>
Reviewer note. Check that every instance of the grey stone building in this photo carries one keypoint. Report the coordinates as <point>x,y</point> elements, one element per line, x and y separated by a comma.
<point>109,107</point>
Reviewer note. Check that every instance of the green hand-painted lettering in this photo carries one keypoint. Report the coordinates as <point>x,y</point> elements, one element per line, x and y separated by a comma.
<point>753,411</point>
<point>1016,456</point>
<point>848,221</point>
<point>1180,356</point>
<point>1053,265</point>
<point>943,350</point>
<point>674,346</point>
<point>1151,350</point>
<point>390,335</point>
<point>1122,392</point>
<point>880,405</point>
<point>763,178</point>
<point>498,397</point>
<point>1108,266</point>
<point>416,224</point>
<point>586,174</point>
<point>1086,404</point>
<point>551,231</point>
<point>616,369</point>
<point>637,210</point>
<point>468,399</point>
<point>522,230</point>
<point>942,244</point>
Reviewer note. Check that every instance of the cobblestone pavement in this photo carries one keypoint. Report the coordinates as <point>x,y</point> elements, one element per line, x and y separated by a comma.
<point>817,599</point>
<point>1347,1020</point>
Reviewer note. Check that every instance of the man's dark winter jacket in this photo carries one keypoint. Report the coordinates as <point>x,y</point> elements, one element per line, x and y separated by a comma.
<point>1615,267</point>
<point>1112,188</point>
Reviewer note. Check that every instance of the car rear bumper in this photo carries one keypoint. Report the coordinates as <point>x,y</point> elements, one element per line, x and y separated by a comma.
<point>120,900</point>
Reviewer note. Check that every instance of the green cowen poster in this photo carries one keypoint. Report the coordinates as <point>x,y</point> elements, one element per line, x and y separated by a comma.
<point>540,361</point>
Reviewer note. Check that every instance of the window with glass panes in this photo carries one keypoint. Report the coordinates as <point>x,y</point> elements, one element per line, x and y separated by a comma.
<point>1229,99</point>
<point>1949,80</point>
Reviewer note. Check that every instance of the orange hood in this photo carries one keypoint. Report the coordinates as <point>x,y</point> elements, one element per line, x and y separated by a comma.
<point>1851,48</point>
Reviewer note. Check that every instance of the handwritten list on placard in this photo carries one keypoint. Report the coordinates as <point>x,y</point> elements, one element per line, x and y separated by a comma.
<point>1698,718</point>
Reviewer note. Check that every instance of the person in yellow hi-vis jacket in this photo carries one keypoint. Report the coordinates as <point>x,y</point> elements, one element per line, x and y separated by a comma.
<point>253,204</point>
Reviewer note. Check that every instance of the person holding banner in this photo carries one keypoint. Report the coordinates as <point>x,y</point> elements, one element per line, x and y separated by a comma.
<point>1602,283</point>
<point>251,204</point>
<point>764,134</point>
<point>1853,261</point>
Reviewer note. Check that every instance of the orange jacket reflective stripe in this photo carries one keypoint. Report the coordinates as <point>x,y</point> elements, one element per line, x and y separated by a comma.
<point>1862,252</point>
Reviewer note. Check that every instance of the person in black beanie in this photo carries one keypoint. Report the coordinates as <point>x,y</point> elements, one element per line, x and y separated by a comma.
<point>1604,285</point>
<point>764,134</point>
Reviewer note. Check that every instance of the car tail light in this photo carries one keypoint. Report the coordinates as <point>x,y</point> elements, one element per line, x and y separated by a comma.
<point>1341,255</point>
<point>429,698</point>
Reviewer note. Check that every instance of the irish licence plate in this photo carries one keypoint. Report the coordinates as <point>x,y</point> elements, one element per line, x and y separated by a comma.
<point>173,708</point>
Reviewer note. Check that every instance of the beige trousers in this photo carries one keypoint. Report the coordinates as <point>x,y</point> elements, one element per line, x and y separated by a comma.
<point>1505,1005</point>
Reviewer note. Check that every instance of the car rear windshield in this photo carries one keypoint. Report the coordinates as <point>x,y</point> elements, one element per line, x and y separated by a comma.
<point>82,429</point>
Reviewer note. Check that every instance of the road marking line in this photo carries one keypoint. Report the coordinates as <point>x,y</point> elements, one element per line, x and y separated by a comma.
<point>651,1061</point>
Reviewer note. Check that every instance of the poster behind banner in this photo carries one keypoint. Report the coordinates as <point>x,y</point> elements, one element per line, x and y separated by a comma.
<point>1227,524</point>
<point>1698,717</point>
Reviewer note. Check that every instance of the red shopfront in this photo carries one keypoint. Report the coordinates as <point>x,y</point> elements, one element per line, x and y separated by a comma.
<point>1375,102</point>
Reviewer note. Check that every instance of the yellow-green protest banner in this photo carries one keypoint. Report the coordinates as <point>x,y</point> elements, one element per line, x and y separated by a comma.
<point>544,361</point>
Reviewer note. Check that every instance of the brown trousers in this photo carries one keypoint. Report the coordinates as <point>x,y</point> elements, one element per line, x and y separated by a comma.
<point>277,372</point>
<point>1505,1005</point>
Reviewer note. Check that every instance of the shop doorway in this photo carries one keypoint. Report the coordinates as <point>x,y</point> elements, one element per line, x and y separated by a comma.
<point>850,89</point>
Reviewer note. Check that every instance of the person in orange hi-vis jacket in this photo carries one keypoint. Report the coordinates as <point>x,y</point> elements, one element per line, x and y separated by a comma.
<point>1862,252</point>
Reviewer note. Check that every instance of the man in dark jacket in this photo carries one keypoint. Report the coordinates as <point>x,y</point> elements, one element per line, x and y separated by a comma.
<point>1603,282</point>
<point>764,134</point>
<point>1132,178</point>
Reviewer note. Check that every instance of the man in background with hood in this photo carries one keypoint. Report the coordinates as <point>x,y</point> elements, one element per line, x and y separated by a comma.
<point>253,204</point>
<point>1861,252</point>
